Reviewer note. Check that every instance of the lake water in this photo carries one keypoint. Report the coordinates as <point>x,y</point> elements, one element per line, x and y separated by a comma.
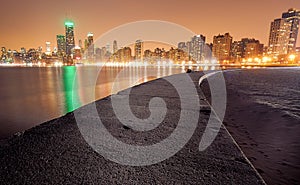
<point>32,95</point>
<point>263,115</point>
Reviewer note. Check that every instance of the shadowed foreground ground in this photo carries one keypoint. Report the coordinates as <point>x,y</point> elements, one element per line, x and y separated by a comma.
<point>56,153</point>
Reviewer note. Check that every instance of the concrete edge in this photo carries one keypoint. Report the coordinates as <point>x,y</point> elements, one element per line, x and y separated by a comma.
<point>233,140</point>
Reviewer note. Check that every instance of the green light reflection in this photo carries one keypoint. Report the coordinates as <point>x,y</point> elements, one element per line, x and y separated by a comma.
<point>70,85</point>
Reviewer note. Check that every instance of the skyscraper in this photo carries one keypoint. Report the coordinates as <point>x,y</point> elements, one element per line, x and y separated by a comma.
<point>70,40</point>
<point>138,50</point>
<point>48,48</point>
<point>61,45</point>
<point>279,37</point>
<point>222,46</point>
<point>198,43</point>
<point>292,16</point>
<point>108,51</point>
<point>115,46</point>
<point>90,44</point>
<point>284,33</point>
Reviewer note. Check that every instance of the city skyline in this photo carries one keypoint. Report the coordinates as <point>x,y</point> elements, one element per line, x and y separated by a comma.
<point>43,24</point>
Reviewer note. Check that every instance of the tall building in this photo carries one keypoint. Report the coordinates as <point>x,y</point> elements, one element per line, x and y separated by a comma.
<point>115,46</point>
<point>61,45</point>
<point>138,50</point>
<point>197,51</point>
<point>48,48</point>
<point>292,16</point>
<point>284,33</point>
<point>222,46</point>
<point>70,40</point>
<point>90,44</point>
<point>108,51</point>
<point>279,37</point>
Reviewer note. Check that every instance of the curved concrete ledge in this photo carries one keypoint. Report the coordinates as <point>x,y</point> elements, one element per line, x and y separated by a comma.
<point>56,153</point>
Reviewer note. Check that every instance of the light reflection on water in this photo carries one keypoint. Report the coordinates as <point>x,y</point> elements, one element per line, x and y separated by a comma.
<point>32,95</point>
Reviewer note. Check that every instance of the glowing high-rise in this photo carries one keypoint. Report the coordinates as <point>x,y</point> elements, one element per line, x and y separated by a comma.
<point>284,33</point>
<point>222,46</point>
<point>48,48</point>
<point>61,45</point>
<point>138,50</point>
<point>293,17</point>
<point>90,44</point>
<point>70,40</point>
<point>279,37</point>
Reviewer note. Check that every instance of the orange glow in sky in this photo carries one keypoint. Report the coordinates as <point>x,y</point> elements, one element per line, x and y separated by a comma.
<point>31,23</point>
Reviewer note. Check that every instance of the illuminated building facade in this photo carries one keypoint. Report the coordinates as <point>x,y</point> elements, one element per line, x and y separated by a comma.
<point>197,48</point>
<point>293,17</point>
<point>126,54</point>
<point>254,50</point>
<point>237,51</point>
<point>284,33</point>
<point>279,37</point>
<point>122,55</point>
<point>48,48</point>
<point>222,46</point>
<point>77,53</point>
<point>70,40</point>
<point>138,50</point>
<point>61,45</point>
<point>246,48</point>
<point>194,49</point>
<point>90,45</point>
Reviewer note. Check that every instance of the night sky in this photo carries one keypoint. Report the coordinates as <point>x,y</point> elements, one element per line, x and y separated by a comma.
<point>30,23</point>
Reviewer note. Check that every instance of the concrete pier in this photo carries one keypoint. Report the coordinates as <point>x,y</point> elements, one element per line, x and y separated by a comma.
<point>55,152</point>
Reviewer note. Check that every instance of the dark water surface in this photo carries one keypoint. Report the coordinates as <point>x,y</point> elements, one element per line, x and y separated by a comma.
<point>32,95</point>
<point>263,115</point>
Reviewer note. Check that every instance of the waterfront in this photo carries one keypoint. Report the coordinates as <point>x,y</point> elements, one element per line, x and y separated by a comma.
<point>263,116</point>
<point>262,112</point>
<point>57,153</point>
<point>32,95</point>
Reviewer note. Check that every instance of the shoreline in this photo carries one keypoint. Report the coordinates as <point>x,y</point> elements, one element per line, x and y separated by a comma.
<point>57,150</point>
<point>269,136</point>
